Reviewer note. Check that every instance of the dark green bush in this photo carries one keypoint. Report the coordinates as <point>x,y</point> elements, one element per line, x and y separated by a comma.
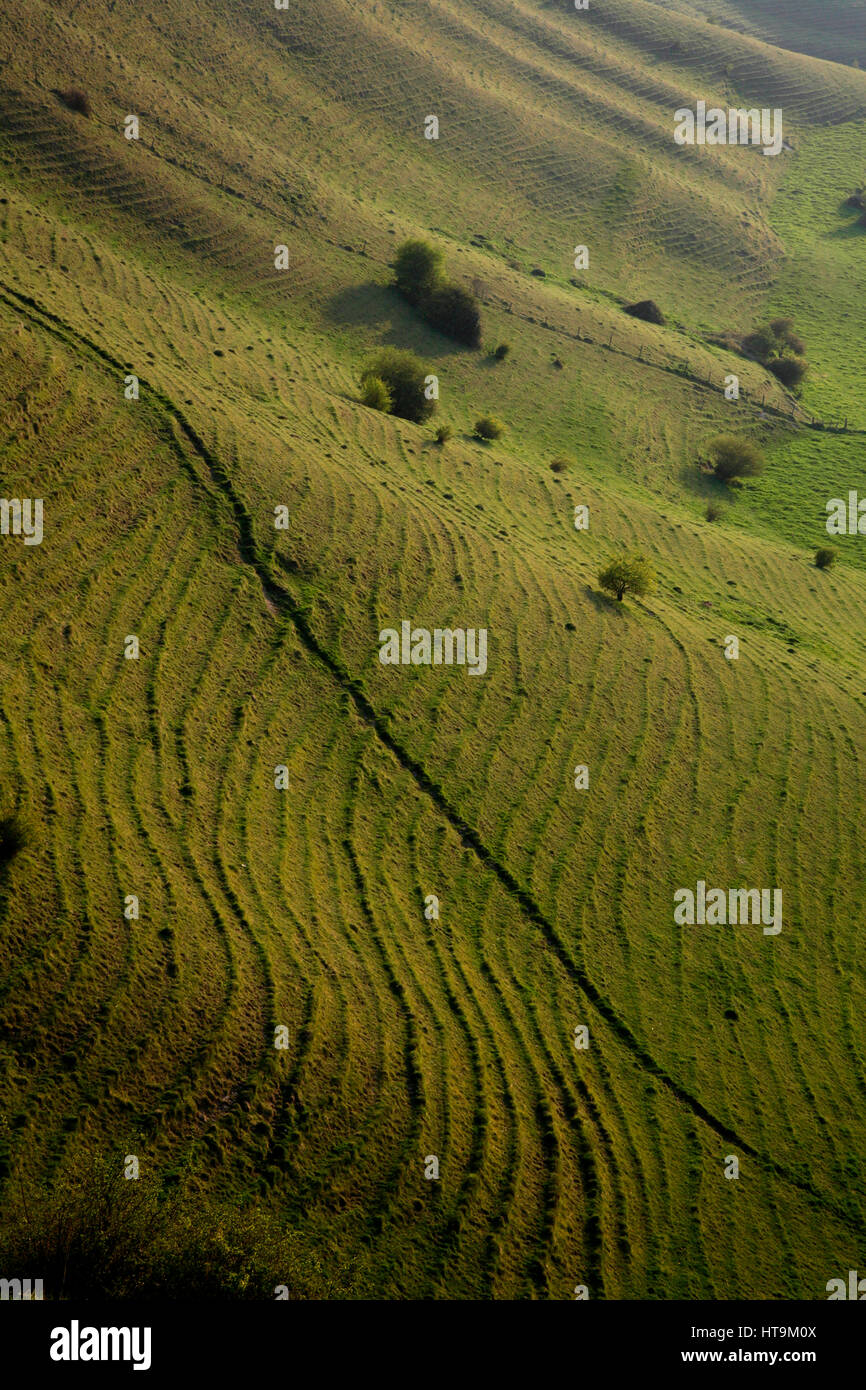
<point>761,344</point>
<point>734,456</point>
<point>404,376</point>
<point>646,309</point>
<point>786,337</point>
<point>417,270</point>
<point>454,311</point>
<point>789,370</point>
<point>448,308</point>
<point>780,349</point>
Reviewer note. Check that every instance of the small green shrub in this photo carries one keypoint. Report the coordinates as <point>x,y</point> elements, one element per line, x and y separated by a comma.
<point>825,557</point>
<point>733,456</point>
<point>443,434</point>
<point>488,427</point>
<point>375,394</point>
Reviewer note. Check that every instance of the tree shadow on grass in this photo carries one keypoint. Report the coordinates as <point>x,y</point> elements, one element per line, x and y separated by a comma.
<point>411,332</point>
<point>361,304</point>
<point>376,306</point>
<point>854,229</point>
<point>603,603</point>
<point>706,485</point>
<point>13,838</point>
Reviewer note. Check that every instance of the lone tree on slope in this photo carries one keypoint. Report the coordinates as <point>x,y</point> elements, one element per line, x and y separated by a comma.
<point>628,574</point>
<point>733,456</point>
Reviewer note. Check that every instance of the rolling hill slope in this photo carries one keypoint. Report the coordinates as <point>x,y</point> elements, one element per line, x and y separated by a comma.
<point>836,31</point>
<point>305,907</point>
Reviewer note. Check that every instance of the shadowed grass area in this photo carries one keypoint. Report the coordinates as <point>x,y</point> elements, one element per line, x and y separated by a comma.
<point>99,1234</point>
<point>13,838</point>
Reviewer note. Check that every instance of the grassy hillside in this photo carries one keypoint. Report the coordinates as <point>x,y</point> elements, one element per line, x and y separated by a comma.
<point>259,648</point>
<point>836,31</point>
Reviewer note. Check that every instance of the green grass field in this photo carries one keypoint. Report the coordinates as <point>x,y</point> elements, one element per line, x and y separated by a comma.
<point>305,907</point>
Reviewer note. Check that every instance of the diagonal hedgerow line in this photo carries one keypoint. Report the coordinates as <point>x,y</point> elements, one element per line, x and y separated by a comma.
<point>281,599</point>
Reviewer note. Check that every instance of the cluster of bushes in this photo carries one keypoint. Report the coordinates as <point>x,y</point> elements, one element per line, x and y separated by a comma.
<point>395,381</point>
<point>449,308</point>
<point>778,348</point>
